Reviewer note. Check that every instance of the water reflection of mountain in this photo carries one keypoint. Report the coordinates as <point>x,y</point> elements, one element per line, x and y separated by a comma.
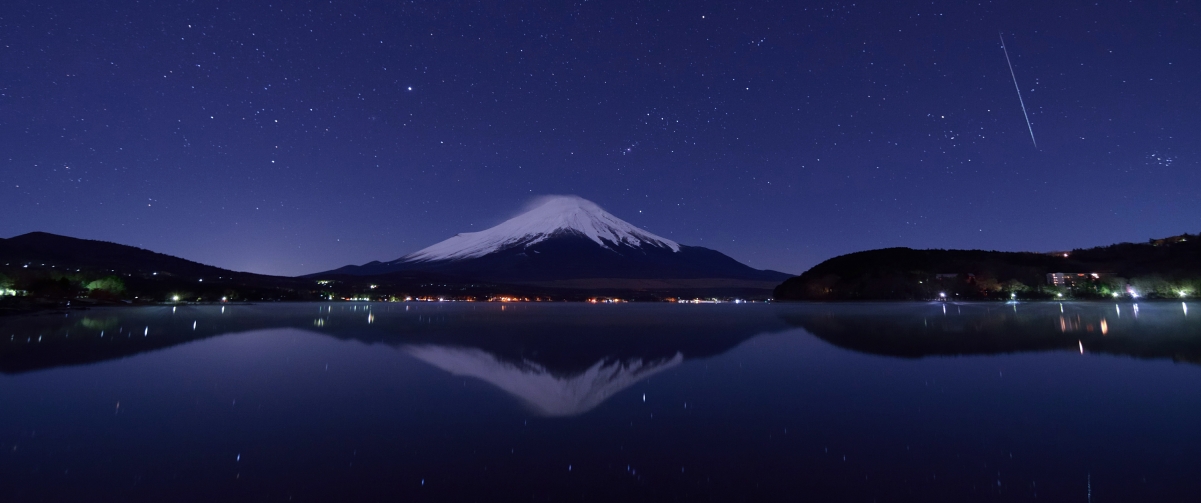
<point>567,359</point>
<point>1147,330</point>
<point>546,393</point>
<point>48,340</point>
<point>559,359</point>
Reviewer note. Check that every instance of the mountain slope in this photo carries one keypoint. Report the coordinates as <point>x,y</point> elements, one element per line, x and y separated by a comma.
<point>569,239</point>
<point>1168,268</point>
<point>60,268</point>
<point>63,252</point>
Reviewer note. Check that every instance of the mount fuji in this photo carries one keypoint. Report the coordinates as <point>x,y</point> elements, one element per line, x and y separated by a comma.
<point>570,242</point>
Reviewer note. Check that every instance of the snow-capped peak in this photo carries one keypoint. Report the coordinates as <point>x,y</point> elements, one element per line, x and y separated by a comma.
<point>553,215</point>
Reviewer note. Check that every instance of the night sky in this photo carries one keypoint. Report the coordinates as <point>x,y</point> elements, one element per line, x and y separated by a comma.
<point>301,136</point>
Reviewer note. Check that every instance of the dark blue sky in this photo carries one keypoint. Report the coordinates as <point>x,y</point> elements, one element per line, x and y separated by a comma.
<point>294,137</point>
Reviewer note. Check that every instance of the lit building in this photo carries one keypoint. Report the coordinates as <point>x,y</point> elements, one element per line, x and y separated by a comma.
<point>1071,279</point>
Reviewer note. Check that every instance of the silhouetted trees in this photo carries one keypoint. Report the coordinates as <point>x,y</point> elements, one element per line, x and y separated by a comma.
<point>1162,268</point>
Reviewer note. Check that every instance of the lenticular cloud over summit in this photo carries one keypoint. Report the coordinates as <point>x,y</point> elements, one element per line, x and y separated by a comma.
<point>547,217</point>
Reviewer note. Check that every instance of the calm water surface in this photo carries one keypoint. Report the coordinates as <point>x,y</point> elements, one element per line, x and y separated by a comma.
<point>568,402</point>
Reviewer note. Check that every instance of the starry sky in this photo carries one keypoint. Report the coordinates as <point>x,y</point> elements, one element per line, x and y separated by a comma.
<point>294,137</point>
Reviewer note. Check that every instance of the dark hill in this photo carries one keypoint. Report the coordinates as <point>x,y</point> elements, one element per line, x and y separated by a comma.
<point>1162,268</point>
<point>42,249</point>
<point>49,266</point>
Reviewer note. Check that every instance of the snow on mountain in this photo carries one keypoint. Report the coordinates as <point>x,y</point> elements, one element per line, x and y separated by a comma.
<point>546,393</point>
<point>557,214</point>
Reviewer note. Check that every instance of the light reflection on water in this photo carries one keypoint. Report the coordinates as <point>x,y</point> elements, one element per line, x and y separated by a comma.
<point>932,402</point>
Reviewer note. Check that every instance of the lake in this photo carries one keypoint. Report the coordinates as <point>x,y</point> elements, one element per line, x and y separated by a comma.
<point>611,402</point>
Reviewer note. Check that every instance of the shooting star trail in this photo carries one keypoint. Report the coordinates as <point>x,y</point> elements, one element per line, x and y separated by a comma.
<point>1019,90</point>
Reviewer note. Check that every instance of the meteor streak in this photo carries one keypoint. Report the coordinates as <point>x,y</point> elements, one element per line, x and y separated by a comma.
<point>1019,90</point>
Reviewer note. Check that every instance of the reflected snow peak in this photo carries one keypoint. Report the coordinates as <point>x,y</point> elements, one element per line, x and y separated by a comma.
<point>545,392</point>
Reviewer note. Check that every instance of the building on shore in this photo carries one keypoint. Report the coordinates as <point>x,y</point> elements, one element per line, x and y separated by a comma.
<point>1071,279</point>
